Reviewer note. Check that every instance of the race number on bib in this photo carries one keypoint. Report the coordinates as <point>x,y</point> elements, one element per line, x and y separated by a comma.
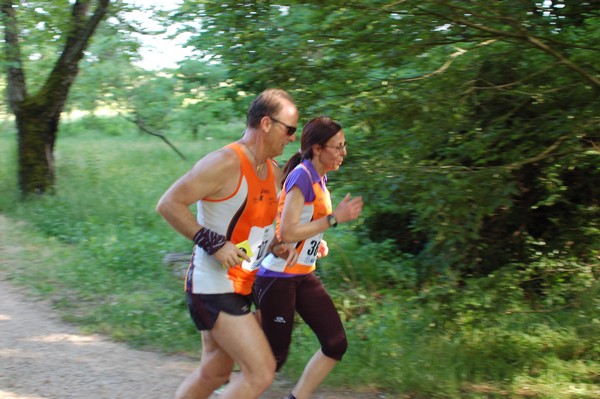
<point>259,240</point>
<point>308,254</point>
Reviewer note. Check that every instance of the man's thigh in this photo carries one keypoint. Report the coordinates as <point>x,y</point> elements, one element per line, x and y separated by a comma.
<point>214,359</point>
<point>242,338</point>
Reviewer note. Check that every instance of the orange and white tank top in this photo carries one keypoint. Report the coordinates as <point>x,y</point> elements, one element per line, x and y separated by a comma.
<point>247,214</point>
<point>316,206</point>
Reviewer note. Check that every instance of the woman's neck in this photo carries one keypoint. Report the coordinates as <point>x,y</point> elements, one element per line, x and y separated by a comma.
<point>318,167</point>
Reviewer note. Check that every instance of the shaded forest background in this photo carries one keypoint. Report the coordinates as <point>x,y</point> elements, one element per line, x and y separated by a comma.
<point>473,132</point>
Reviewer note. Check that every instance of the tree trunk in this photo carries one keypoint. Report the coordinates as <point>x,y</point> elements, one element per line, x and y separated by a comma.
<point>36,138</point>
<point>37,116</point>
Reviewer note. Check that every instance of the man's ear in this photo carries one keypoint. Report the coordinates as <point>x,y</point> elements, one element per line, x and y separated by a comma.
<point>265,123</point>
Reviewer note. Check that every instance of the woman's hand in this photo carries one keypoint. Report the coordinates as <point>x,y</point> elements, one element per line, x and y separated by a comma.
<point>348,209</point>
<point>286,251</point>
<point>323,249</point>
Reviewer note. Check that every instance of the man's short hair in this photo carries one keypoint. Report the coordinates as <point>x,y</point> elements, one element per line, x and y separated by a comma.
<point>268,103</point>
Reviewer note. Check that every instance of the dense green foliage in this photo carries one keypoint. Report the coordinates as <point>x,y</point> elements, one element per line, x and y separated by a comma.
<point>472,132</point>
<point>96,249</point>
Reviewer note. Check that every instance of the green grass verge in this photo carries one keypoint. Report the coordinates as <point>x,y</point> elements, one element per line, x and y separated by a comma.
<point>96,247</point>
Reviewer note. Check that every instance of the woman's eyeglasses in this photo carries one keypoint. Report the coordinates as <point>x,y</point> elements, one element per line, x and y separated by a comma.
<point>340,147</point>
<point>290,129</point>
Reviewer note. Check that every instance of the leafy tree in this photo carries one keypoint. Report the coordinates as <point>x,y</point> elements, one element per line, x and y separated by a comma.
<point>108,73</point>
<point>45,45</point>
<point>38,114</point>
<point>205,96</point>
<point>472,125</point>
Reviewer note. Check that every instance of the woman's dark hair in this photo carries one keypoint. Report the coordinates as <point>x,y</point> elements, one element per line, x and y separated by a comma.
<point>317,131</point>
<point>268,103</point>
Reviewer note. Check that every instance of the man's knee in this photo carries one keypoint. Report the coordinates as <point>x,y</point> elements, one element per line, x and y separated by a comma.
<point>267,379</point>
<point>212,377</point>
<point>201,379</point>
<point>263,377</point>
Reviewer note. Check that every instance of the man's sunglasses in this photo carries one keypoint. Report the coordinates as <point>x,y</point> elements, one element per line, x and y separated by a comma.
<point>290,129</point>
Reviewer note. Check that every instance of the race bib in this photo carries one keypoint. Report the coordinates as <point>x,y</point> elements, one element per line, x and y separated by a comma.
<point>308,254</point>
<point>258,240</point>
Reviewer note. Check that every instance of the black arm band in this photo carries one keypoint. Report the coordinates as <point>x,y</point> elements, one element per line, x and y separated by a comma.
<point>209,240</point>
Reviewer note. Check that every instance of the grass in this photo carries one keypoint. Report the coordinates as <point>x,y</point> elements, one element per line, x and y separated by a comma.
<point>96,247</point>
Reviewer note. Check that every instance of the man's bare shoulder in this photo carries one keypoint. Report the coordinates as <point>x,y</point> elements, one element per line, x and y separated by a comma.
<point>214,176</point>
<point>224,160</point>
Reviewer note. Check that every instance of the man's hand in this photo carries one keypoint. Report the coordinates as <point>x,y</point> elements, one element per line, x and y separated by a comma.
<point>230,255</point>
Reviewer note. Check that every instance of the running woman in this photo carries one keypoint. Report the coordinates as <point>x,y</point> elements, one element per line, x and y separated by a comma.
<point>283,288</point>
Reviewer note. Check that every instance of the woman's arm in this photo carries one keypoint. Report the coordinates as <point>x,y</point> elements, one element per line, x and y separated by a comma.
<point>290,228</point>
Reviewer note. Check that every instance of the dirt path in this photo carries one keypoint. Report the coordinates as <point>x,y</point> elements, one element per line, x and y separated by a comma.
<point>42,357</point>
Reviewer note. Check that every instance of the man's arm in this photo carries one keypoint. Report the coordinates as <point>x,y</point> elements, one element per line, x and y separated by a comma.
<point>215,176</point>
<point>204,180</point>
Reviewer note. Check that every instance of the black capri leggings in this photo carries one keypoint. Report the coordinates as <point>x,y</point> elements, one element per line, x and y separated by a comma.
<point>279,298</point>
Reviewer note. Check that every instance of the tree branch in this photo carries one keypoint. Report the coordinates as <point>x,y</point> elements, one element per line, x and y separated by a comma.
<point>17,90</point>
<point>143,128</point>
<point>449,61</point>
<point>65,70</point>
<point>522,36</point>
<point>82,28</point>
<point>483,28</point>
<point>564,60</point>
<point>544,154</point>
<point>538,310</point>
